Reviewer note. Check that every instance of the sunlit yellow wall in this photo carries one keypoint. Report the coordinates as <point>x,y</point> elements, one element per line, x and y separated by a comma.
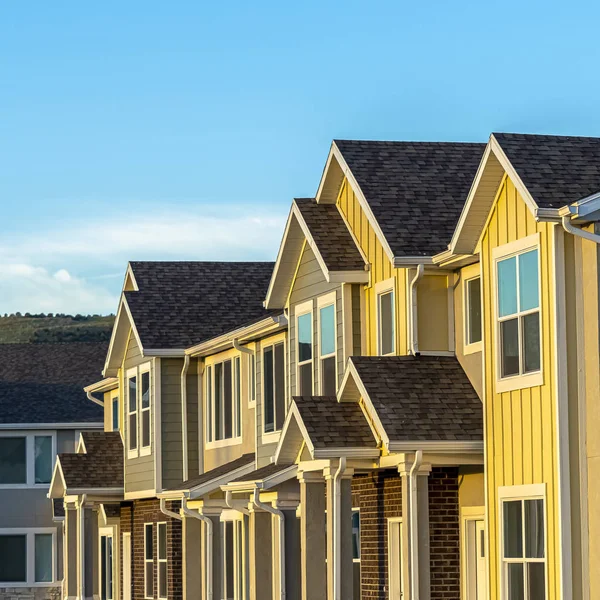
<point>521,424</point>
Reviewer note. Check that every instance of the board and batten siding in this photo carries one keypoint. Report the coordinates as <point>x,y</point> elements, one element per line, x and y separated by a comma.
<point>520,425</point>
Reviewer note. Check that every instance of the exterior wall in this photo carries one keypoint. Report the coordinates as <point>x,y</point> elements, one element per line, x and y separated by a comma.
<point>433,313</point>
<point>471,488</point>
<point>520,425</point>
<point>133,517</point>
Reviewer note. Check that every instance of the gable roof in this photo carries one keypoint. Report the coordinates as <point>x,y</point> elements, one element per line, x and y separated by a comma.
<point>414,191</point>
<point>416,399</point>
<point>43,383</point>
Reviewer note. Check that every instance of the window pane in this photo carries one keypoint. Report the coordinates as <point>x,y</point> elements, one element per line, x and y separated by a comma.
<point>304,337</point>
<point>534,528</point>
<point>238,398</point>
<point>146,390</point>
<point>149,550</point>
<point>13,550</point>
<point>515,583</point>
<point>103,574</point>
<point>509,335</point>
<point>327,324</point>
<point>115,414</point>
<point>149,580</point>
<point>43,557</point>
<point>228,533</point>
<point>355,535</point>
<point>528,281</point>
<point>43,458</point>
<point>507,286</point>
<point>109,566</point>
<point>536,581</point>
<point>162,541</point>
<point>253,377</point>
<point>513,529</point>
<point>209,408</point>
<point>474,310</point>
<point>530,326</point>
<point>146,428</point>
<point>328,386</point>
<point>133,431</point>
<point>227,400</point>
<point>268,390</point>
<point>305,375</point>
<point>162,578</point>
<point>386,323</point>
<point>132,394</point>
<point>13,460</point>
<point>219,401</point>
<point>279,386</point>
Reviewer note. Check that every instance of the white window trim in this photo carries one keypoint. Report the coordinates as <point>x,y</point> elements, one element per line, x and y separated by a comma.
<point>138,370</point>
<point>132,452</point>
<point>323,302</point>
<point>108,532</point>
<point>30,458</point>
<point>160,560</point>
<point>145,368</point>
<point>147,560</point>
<point>273,436</point>
<point>30,548</point>
<point>526,380</point>
<point>469,515</point>
<point>471,348</point>
<point>382,287</point>
<point>391,568</point>
<point>114,396</point>
<point>536,491</point>
<point>239,545</point>
<point>300,310</point>
<point>357,560</point>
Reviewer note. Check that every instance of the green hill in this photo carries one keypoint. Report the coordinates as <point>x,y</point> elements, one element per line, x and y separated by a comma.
<point>41,328</point>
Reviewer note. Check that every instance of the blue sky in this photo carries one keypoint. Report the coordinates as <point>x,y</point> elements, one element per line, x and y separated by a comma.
<point>181,130</point>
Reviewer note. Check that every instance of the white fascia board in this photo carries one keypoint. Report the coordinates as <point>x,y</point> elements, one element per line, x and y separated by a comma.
<point>165,352</point>
<point>58,485</point>
<point>105,385</point>
<point>129,275</point>
<point>220,482</point>
<point>449,447</point>
<point>348,277</point>
<point>293,413</point>
<point>412,261</point>
<point>347,452</point>
<point>112,492</point>
<point>263,484</point>
<point>44,426</point>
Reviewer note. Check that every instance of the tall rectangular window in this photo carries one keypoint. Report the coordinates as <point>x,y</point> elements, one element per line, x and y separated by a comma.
<point>115,414</point>
<point>145,408</point>
<point>132,412</point>
<point>209,404</point>
<point>274,387</point>
<point>162,559</point>
<point>473,310</point>
<point>518,308</point>
<point>27,556</point>
<point>233,558</point>
<point>13,566</point>
<point>13,460</point>
<point>327,354</point>
<point>252,378</point>
<point>386,330</point>
<point>106,568</point>
<point>237,413</point>
<point>148,561</point>
<point>224,400</point>
<point>42,448</point>
<point>304,334</point>
<point>43,557</point>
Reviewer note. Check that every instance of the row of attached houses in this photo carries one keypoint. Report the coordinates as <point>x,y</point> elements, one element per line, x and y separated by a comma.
<point>402,406</point>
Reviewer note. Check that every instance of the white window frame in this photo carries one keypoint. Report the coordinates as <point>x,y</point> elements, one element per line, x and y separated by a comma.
<point>114,397</point>
<point>471,273</point>
<point>30,533</point>
<point>137,371</point>
<point>251,366</point>
<point>108,532</point>
<point>132,452</point>
<point>357,560</point>
<point>469,517</point>
<point>324,302</point>
<point>145,368</point>
<point>300,310</point>
<point>240,582</point>
<point>382,288</point>
<point>500,253</point>
<point>391,521</point>
<point>30,458</point>
<point>521,492</point>
<point>160,560</point>
<point>147,560</point>
<point>268,437</point>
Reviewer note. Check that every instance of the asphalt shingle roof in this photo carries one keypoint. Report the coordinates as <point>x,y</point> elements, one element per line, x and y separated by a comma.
<point>43,383</point>
<point>102,467</point>
<point>180,304</point>
<point>217,472</point>
<point>416,190</point>
<point>425,398</point>
<point>556,170</point>
<point>262,473</point>
<point>333,424</point>
<point>331,235</point>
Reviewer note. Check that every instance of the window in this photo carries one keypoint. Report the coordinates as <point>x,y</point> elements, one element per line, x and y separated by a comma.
<point>139,403</point>
<point>304,349</point>
<point>274,387</point>
<point>518,310</point>
<point>106,567</point>
<point>148,561</point>
<point>26,460</point>
<point>356,534</point>
<point>473,310</point>
<point>27,557</point>
<point>161,543</point>
<point>327,346</point>
<point>233,557</point>
<point>523,548</point>
<point>115,413</point>
<point>145,398</point>
<point>132,410</point>
<point>386,320</point>
<point>252,379</point>
<point>395,559</point>
<point>223,396</point>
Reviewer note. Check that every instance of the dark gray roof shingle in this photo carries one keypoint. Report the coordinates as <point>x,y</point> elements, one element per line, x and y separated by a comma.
<point>180,304</point>
<point>416,190</point>
<point>331,235</point>
<point>333,424</point>
<point>428,398</point>
<point>262,473</point>
<point>43,383</point>
<point>556,170</point>
<point>217,472</point>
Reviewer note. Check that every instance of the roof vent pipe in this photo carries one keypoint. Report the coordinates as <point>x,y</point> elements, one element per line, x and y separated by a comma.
<point>413,324</point>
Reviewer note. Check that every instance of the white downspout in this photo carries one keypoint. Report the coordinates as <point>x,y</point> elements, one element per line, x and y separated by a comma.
<point>586,235</point>
<point>275,511</point>
<point>337,530</point>
<point>165,511</point>
<point>81,547</point>
<point>209,544</point>
<point>184,428</point>
<point>236,345</point>
<point>414,527</point>
<point>91,397</point>
<point>414,336</point>
<point>229,503</point>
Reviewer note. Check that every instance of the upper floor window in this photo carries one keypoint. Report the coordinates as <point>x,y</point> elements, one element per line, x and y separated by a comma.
<point>304,336</point>
<point>273,387</point>
<point>26,459</point>
<point>473,311</point>
<point>386,320</point>
<point>252,379</point>
<point>138,389</point>
<point>327,345</point>
<point>27,556</point>
<point>223,395</point>
<point>114,401</point>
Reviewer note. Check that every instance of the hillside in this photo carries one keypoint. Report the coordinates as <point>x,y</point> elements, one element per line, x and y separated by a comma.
<point>50,328</point>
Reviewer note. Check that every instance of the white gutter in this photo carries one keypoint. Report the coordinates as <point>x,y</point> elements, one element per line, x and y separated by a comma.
<point>165,511</point>
<point>414,527</point>
<point>185,511</point>
<point>337,530</point>
<point>276,512</point>
<point>586,235</point>
<point>81,546</point>
<point>184,428</point>
<point>412,299</point>
<point>236,345</point>
<point>91,397</point>
<point>230,504</point>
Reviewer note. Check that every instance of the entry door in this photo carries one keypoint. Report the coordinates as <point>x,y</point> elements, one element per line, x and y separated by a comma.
<point>127,566</point>
<point>395,559</point>
<point>480,560</point>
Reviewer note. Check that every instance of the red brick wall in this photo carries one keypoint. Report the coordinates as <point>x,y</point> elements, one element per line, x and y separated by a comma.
<point>133,517</point>
<point>379,497</point>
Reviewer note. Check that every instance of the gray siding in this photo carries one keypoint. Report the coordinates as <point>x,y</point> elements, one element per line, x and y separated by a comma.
<point>171,439</point>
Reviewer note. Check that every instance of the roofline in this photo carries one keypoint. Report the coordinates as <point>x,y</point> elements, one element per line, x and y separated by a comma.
<point>57,469</point>
<point>449,446</point>
<point>104,385</point>
<point>264,483</point>
<point>77,425</point>
<point>130,274</point>
<point>165,352</point>
<point>109,491</point>
<point>348,452</point>
<point>409,261</point>
<point>293,411</point>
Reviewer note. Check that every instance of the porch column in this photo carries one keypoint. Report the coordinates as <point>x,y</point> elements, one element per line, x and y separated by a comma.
<point>193,567</point>
<point>260,548</point>
<point>313,536</point>
<point>92,559</point>
<point>70,551</point>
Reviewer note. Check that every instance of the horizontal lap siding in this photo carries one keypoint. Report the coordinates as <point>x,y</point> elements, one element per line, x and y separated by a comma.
<point>172,450</point>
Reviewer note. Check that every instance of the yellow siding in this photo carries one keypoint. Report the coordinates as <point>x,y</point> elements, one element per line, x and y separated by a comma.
<point>521,424</point>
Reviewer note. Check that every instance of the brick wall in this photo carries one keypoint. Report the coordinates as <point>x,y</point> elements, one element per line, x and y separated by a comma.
<point>133,517</point>
<point>379,497</point>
